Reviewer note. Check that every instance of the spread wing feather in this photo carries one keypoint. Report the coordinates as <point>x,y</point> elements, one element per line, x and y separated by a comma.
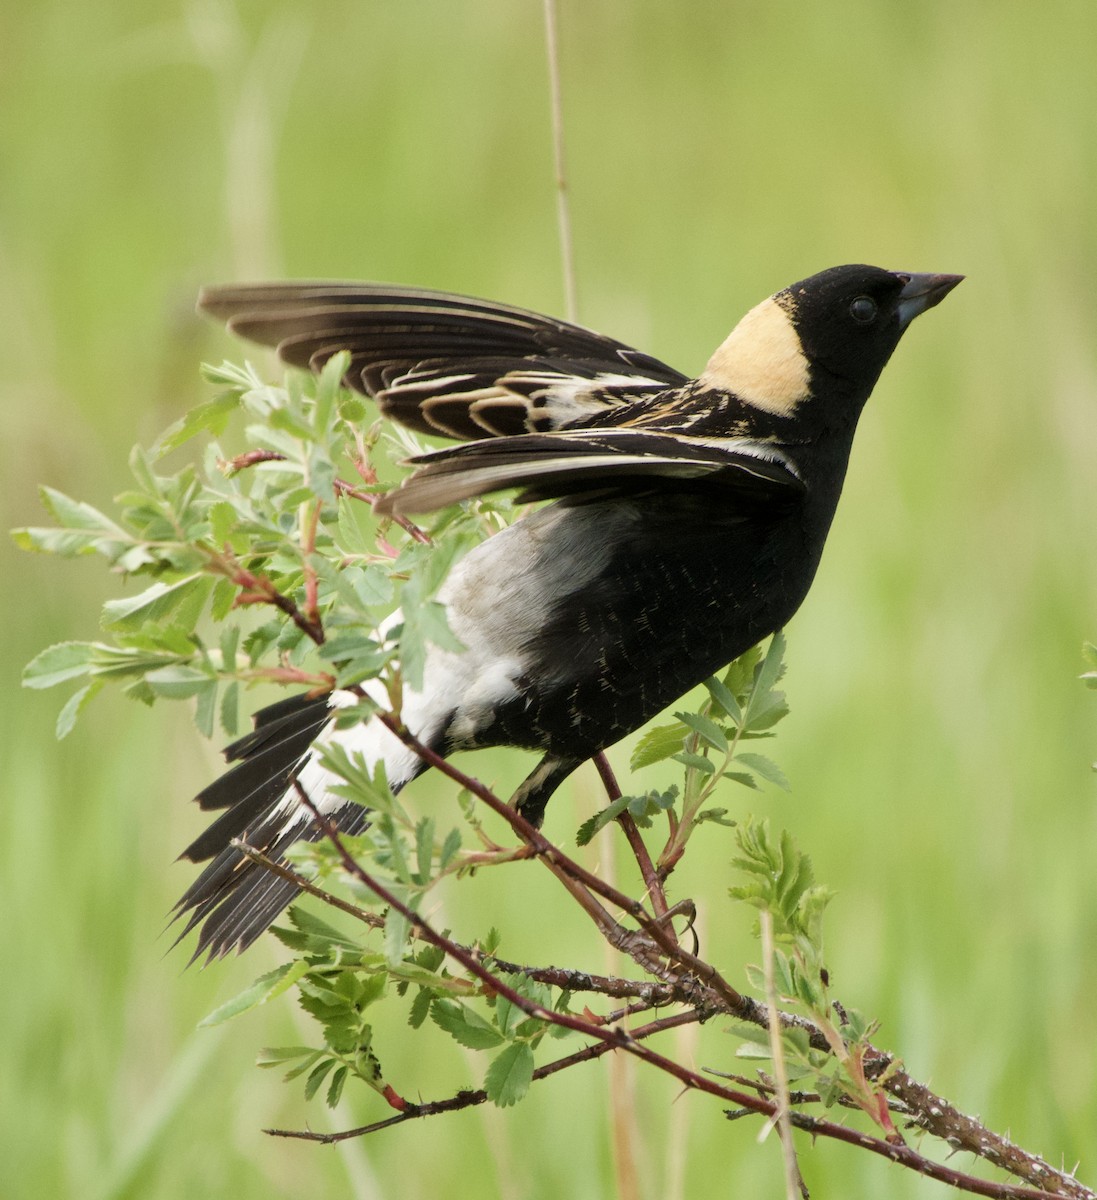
<point>441,363</point>
<point>570,463</point>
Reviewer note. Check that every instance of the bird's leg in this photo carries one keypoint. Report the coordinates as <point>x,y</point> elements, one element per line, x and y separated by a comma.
<point>534,793</point>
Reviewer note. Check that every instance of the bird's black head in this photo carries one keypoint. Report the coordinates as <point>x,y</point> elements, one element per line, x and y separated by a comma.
<point>826,338</point>
<point>850,319</point>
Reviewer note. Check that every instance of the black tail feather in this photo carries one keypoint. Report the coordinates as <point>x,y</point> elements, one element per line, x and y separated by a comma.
<point>235,900</point>
<point>283,733</point>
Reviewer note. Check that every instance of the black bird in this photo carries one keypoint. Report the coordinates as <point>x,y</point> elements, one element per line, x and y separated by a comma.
<point>688,521</point>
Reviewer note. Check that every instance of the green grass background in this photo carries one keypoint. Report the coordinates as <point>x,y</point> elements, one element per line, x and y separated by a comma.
<point>940,744</point>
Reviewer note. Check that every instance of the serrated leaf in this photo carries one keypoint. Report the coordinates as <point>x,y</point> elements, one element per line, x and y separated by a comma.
<point>205,708</point>
<point>773,665</point>
<point>335,1087</point>
<point>328,387</point>
<point>76,514</point>
<point>58,664</point>
<point>510,1075</point>
<point>508,1016</point>
<point>65,543</point>
<point>696,762</point>
<point>424,849</point>
<point>309,923</point>
<point>706,729</point>
<point>466,1027</point>
<point>739,677</point>
<point>718,816</point>
<point>265,988</point>
<point>420,1008</point>
<point>593,825</point>
<point>73,707</point>
<point>397,931</point>
<point>276,1056</point>
<point>765,767</point>
<point>755,1035</point>
<point>317,1076</point>
<point>765,713</point>
<point>722,696</point>
<point>179,681</point>
<point>753,1053</point>
<point>657,744</point>
<point>782,974</point>
<point>230,709</point>
<point>210,416</point>
<point>450,847</point>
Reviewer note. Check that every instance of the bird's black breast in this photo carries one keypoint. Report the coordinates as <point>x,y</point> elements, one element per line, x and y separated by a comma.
<point>689,585</point>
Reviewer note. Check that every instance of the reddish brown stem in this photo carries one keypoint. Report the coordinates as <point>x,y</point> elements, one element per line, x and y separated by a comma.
<point>639,850</point>
<point>242,461</point>
<point>621,1039</point>
<point>469,1099</point>
<point>567,869</point>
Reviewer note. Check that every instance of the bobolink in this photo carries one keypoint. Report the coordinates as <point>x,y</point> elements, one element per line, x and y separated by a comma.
<point>687,523</point>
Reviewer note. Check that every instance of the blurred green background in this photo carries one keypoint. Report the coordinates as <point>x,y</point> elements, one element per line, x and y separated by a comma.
<point>940,744</point>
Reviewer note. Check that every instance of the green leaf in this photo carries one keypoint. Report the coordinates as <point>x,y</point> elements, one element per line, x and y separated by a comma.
<point>706,729</point>
<point>755,1035</point>
<point>205,710</point>
<point>75,514</point>
<point>661,742</point>
<point>420,1007</point>
<point>722,697</point>
<point>765,767</point>
<point>58,664</point>
<point>766,707</point>
<point>335,1088</point>
<point>230,709</point>
<point>773,666</point>
<point>593,825</point>
<point>397,932</point>
<point>465,1026</point>
<point>739,677</point>
<point>178,682</point>
<point>696,762</point>
<point>424,849</point>
<point>328,388</point>
<point>74,706</point>
<point>718,816</point>
<point>277,1056</point>
<point>317,1076</point>
<point>510,1074</point>
<point>450,847</point>
<point>208,417</point>
<point>309,923</point>
<point>265,988</point>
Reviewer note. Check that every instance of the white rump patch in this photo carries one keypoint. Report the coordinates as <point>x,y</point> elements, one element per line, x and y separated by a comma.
<point>762,361</point>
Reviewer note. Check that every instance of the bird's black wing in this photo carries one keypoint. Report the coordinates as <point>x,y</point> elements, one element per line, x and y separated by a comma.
<point>441,363</point>
<point>597,462</point>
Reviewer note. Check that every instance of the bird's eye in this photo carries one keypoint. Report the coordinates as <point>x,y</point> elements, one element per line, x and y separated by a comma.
<point>863,310</point>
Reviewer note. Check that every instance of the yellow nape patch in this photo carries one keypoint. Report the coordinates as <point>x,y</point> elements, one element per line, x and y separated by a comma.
<point>762,361</point>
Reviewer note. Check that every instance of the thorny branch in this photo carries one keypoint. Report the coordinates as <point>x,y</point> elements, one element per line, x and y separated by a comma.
<point>469,1099</point>
<point>616,1038</point>
<point>689,979</point>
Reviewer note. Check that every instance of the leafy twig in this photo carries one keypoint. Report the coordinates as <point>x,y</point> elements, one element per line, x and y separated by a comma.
<point>616,1038</point>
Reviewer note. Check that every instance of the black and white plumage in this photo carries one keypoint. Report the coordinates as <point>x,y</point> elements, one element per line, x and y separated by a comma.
<point>688,523</point>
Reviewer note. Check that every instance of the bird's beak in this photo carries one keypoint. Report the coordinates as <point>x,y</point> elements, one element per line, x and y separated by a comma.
<point>921,292</point>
